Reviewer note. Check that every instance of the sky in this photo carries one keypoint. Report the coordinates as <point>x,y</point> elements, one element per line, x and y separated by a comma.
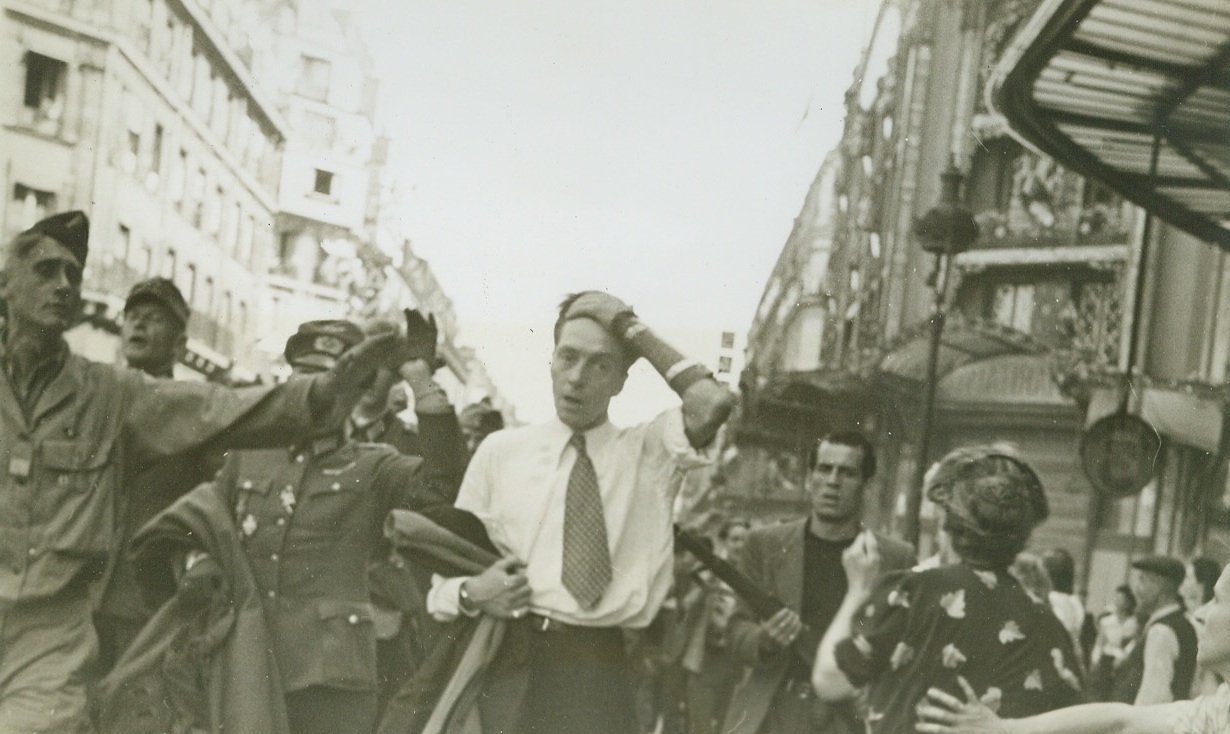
<point>657,149</point>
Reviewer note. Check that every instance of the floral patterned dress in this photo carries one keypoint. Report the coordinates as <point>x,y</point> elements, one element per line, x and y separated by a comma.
<point>923,628</point>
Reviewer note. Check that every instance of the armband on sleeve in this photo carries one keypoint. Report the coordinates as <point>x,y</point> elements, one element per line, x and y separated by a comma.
<point>685,373</point>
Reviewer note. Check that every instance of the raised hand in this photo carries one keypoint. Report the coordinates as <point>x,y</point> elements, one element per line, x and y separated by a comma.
<point>422,335</point>
<point>862,562</point>
<point>943,713</point>
<point>601,307</point>
<point>356,368</point>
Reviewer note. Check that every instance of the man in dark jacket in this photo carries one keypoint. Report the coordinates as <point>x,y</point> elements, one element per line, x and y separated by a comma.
<point>800,563</point>
<point>153,339</point>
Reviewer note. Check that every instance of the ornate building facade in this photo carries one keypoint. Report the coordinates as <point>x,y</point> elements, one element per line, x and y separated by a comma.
<point>1039,307</point>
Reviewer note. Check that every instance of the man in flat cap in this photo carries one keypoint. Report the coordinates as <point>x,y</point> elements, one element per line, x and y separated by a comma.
<point>1160,665</point>
<point>153,338</point>
<point>308,519</point>
<point>75,433</point>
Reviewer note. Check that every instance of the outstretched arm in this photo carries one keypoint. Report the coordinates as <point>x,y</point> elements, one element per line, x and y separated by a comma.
<point>943,713</point>
<point>862,564</point>
<point>706,403</point>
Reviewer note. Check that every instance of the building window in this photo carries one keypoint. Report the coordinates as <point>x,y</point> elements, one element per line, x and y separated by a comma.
<point>324,183</point>
<point>213,211</point>
<point>319,130</point>
<point>125,243</point>
<point>155,161</point>
<point>1013,306</point>
<point>990,184</point>
<point>178,176</point>
<point>29,205</point>
<point>247,233</point>
<point>207,296</point>
<point>145,260</point>
<point>195,199</point>
<point>132,151</point>
<point>314,78</point>
<point>45,78</point>
<point>190,291</point>
<point>724,364</point>
<point>168,265</point>
<point>230,233</point>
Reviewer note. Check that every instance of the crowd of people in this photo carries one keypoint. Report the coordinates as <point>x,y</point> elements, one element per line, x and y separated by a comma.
<point>183,556</point>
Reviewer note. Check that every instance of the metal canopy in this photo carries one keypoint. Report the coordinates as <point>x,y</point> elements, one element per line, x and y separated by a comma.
<point>1135,93</point>
<point>963,342</point>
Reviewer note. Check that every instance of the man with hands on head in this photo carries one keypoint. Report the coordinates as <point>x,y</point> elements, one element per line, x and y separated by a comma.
<point>944,713</point>
<point>581,511</point>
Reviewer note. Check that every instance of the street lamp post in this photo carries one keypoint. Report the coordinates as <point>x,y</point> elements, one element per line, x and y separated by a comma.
<point>944,231</point>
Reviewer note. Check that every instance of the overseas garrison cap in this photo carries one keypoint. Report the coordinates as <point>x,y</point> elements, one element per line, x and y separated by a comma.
<point>71,229</point>
<point>1171,569</point>
<point>320,343</point>
<point>162,291</point>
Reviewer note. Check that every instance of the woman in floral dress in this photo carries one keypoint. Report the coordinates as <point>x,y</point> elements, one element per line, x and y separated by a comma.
<point>923,629</point>
<point>943,713</point>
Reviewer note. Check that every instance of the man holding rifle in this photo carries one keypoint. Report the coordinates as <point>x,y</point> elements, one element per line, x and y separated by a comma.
<point>800,563</point>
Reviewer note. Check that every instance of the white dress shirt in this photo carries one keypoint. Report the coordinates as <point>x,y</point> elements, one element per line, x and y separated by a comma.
<point>516,484</point>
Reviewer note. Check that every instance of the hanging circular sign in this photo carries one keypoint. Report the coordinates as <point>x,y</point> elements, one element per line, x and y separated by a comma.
<point>1119,453</point>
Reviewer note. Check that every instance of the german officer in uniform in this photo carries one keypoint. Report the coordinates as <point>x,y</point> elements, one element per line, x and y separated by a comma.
<point>310,519</point>
<point>74,432</point>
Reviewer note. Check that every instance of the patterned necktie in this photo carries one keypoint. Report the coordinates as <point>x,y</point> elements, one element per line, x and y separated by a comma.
<point>587,560</point>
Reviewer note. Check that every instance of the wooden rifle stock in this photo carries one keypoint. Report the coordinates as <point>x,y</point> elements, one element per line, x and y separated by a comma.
<point>762,603</point>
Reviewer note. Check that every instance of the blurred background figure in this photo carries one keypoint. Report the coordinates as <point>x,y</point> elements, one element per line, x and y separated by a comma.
<point>1117,628</point>
<point>479,420</point>
<point>1067,606</point>
<point>1197,590</point>
<point>1160,667</point>
<point>731,537</point>
<point>1029,571</point>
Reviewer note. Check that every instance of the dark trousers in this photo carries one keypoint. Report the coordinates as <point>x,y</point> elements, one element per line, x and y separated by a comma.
<point>323,710</point>
<point>566,680</point>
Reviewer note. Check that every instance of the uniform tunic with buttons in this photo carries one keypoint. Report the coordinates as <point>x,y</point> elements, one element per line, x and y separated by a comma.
<point>310,519</point>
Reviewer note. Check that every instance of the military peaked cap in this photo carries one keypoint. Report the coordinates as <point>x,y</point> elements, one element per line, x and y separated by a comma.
<point>320,343</point>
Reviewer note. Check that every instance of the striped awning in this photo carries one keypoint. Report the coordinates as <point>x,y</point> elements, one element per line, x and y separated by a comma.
<point>1134,93</point>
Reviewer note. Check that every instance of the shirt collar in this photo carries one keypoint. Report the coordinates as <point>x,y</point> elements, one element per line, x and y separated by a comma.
<point>319,445</point>
<point>561,434</point>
